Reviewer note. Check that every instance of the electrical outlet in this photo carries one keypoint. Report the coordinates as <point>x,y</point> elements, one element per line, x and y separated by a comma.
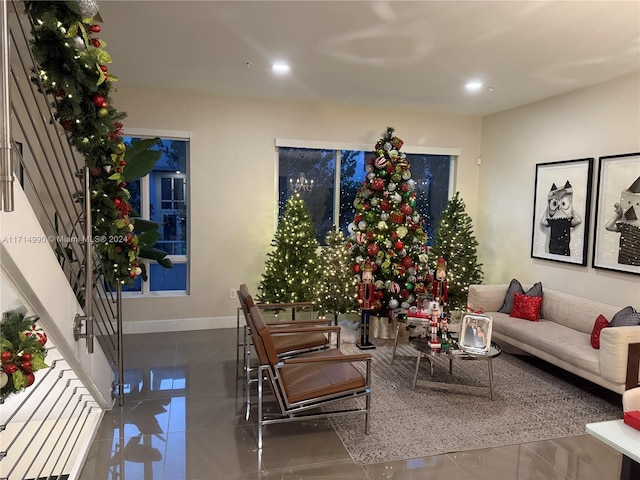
<point>233,293</point>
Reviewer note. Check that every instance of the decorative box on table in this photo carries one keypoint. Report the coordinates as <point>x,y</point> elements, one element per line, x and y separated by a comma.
<point>632,418</point>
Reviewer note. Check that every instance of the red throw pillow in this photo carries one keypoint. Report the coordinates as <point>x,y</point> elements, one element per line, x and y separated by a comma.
<point>600,323</point>
<point>526,307</point>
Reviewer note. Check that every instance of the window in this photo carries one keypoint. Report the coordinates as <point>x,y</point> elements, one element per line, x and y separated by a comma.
<point>162,196</point>
<point>328,180</point>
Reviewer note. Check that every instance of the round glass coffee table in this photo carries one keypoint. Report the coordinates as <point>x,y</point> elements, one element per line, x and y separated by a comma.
<point>421,344</point>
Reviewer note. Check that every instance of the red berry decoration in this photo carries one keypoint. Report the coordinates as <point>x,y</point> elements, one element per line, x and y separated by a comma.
<point>26,357</point>
<point>94,29</point>
<point>6,356</point>
<point>30,377</point>
<point>95,42</point>
<point>104,68</point>
<point>26,366</point>
<point>10,368</point>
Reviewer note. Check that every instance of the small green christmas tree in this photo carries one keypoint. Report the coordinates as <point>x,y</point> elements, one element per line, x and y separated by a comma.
<point>336,290</point>
<point>291,270</point>
<point>456,243</point>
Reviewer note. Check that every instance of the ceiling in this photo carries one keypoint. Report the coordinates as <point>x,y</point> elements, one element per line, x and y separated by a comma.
<point>416,54</point>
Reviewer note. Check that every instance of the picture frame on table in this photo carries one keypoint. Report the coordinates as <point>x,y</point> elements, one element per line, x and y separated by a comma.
<point>616,237</point>
<point>475,333</point>
<point>561,210</point>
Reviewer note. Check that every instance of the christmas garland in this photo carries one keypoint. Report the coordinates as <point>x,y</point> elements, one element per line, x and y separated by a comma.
<point>23,351</point>
<point>72,64</point>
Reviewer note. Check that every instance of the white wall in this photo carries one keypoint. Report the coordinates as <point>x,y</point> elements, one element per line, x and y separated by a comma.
<point>592,122</point>
<point>233,185</point>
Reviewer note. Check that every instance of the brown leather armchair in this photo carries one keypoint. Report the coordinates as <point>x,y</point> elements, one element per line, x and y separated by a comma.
<point>303,383</point>
<point>290,338</point>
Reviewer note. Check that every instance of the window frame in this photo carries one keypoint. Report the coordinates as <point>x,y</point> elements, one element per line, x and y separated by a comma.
<point>145,212</point>
<point>338,147</point>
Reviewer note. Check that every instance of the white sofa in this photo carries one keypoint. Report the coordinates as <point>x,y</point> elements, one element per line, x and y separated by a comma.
<point>562,336</point>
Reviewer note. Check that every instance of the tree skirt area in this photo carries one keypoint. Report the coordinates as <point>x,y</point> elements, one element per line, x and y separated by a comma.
<point>530,405</point>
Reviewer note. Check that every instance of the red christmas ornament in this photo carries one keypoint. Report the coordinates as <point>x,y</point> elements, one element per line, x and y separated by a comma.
<point>117,202</point>
<point>404,293</point>
<point>404,187</point>
<point>99,100</point>
<point>356,268</point>
<point>30,377</point>
<point>6,356</point>
<point>369,235</point>
<point>357,218</point>
<point>37,332</point>
<point>390,169</point>
<point>407,262</point>
<point>379,294</point>
<point>406,209</point>
<point>398,245</point>
<point>385,205</point>
<point>95,42</point>
<point>377,183</point>
<point>26,356</point>
<point>94,28</point>
<point>373,249</point>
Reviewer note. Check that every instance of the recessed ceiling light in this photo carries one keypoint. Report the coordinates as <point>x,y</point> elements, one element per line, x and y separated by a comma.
<point>280,68</point>
<point>473,86</point>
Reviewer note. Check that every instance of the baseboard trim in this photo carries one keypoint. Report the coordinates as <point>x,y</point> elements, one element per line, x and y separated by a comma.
<point>178,325</point>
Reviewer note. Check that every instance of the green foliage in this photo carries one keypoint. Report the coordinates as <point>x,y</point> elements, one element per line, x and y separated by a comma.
<point>387,231</point>
<point>73,70</point>
<point>336,289</point>
<point>140,159</point>
<point>456,243</point>
<point>20,348</point>
<point>291,270</point>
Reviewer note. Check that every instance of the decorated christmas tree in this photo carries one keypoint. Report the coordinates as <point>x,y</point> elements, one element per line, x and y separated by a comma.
<point>456,243</point>
<point>291,271</point>
<point>387,230</point>
<point>335,292</point>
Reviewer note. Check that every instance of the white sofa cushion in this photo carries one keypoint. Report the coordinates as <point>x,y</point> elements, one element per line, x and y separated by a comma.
<point>569,345</point>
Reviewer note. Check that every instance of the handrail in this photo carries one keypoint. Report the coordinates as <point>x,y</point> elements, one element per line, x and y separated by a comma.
<point>6,158</point>
<point>53,413</point>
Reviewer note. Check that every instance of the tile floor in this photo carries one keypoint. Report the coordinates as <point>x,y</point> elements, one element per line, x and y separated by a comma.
<point>183,420</point>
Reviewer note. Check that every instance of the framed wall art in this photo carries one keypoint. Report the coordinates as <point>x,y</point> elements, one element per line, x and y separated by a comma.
<point>617,226</point>
<point>561,210</point>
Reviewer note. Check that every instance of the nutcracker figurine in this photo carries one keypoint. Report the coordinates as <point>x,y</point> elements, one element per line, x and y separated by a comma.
<point>440,288</point>
<point>366,297</point>
<point>434,342</point>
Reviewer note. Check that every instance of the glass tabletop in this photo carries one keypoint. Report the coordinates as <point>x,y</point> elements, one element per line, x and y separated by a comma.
<point>422,344</point>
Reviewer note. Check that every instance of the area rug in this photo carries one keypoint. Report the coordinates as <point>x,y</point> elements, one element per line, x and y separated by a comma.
<point>530,405</point>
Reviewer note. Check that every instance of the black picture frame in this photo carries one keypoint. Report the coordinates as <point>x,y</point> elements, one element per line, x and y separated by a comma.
<point>617,217</point>
<point>561,211</point>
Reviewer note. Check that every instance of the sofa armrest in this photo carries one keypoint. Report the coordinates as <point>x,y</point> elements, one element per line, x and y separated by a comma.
<point>614,350</point>
<point>488,298</point>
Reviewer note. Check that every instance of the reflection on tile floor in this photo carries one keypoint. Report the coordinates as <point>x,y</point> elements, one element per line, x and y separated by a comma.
<point>183,419</point>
